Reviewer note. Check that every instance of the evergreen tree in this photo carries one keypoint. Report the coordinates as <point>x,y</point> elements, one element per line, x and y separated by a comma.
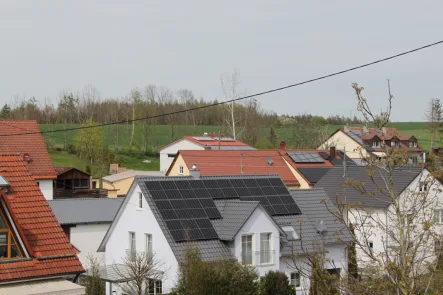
<point>276,283</point>
<point>352,258</point>
<point>273,136</point>
<point>5,111</point>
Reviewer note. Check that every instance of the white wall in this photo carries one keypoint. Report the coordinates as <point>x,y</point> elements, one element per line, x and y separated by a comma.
<point>259,222</point>
<point>46,188</point>
<point>141,221</point>
<point>87,239</point>
<point>183,144</point>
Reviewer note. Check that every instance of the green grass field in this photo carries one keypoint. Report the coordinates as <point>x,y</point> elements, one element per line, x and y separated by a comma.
<point>162,134</point>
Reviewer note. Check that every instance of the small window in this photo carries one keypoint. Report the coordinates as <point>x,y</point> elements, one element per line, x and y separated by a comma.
<point>246,248</point>
<point>171,155</point>
<point>266,253</point>
<point>438,246</point>
<point>180,170</point>
<point>132,242</point>
<point>423,186</point>
<point>371,244</point>
<point>148,243</point>
<point>413,160</point>
<point>376,143</point>
<point>140,200</point>
<point>438,216</point>
<point>38,183</point>
<point>295,279</point>
<point>84,183</point>
<point>413,144</point>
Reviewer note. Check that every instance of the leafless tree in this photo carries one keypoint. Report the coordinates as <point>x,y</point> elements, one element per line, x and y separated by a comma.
<point>434,117</point>
<point>230,85</point>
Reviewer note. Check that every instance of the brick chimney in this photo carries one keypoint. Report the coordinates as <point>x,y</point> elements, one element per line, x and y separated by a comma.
<point>212,134</point>
<point>282,145</point>
<point>332,155</point>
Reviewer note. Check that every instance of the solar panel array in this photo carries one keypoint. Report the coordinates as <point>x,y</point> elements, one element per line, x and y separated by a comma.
<point>305,157</point>
<point>324,155</point>
<point>188,205</point>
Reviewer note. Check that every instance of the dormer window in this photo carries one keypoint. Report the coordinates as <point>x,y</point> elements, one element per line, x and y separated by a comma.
<point>413,143</point>
<point>8,245</point>
<point>395,143</point>
<point>376,143</point>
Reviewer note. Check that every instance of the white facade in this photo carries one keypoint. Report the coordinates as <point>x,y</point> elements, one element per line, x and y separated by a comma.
<point>46,187</point>
<point>87,238</point>
<point>168,153</point>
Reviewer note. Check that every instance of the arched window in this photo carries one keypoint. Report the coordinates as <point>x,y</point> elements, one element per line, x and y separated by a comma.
<point>8,245</point>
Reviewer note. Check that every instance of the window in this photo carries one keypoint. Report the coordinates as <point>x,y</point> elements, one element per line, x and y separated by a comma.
<point>266,248</point>
<point>413,160</point>
<point>413,144</point>
<point>438,247</point>
<point>246,249</point>
<point>38,184</point>
<point>148,245</point>
<point>395,143</point>
<point>376,143</point>
<point>371,244</point>
<point>295,279</point>
<point>155,287</point>
<point>423,186</point>
<point>438,216</point>
<point>171,155</point>
<point>180,170</point>
<point>140,200</point>
<point>132,244</point>
<point>84,183</point>
<point>8,246</point>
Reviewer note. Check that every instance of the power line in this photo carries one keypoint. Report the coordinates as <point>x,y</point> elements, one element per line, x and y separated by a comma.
<point>240,98</point>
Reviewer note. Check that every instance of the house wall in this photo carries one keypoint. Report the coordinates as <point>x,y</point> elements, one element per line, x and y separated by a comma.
<point>175,169</point>
<point>183,144</point>
<point>46,187</point>
<point>342,141</point>
<point>122,186</point>
<point>87,239</point>
<point>259,222</point>
<point>141,221</point>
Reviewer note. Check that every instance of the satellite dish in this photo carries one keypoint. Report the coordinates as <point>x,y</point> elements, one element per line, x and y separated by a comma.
<point>321,227</point>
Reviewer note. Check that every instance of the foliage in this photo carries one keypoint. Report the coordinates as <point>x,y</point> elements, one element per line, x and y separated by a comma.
<point>264,144</point>
<point>272,137</point>
<point>308,135</point>
<point>276,283</point>
<point>352,258</point>
<point>224,277</point>
<point>89,142</point>
<point>434,116</point>
<point>4,113</point>
<point>50,144</point>
<point>94,285</point>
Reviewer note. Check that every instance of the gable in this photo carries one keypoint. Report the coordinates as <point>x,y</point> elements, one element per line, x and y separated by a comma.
<point>11,244</point>
<point>181,144</point>
<point>260,221</point>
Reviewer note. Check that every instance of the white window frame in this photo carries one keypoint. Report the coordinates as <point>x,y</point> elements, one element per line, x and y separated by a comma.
<point>414,160</point>
<point>132,242</point>
<point>180,170</point>
<point>251,252</point>
<point>423,186</point>
<point>413,143</point>
<point>370,244</point>
<point>148,244</point>
<point>294,281</point>
<point>438,216</point>
<point>376,143</point>
<point>266,238</point>
<point>140,200</point>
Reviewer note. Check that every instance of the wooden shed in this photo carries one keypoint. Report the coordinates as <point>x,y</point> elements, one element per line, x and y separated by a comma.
<point>74,183</point>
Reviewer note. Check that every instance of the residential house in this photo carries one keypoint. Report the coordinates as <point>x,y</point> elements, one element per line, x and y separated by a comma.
<point>85,222</point>
<point>74,183</point>
<point>35,255</point>
<point>118,184</point>
<point>291,165</point>
<point>252,218</point>
<point>24,137</point>
<point>361,142</point>
<point>169,151</point>
<point>371,206</point>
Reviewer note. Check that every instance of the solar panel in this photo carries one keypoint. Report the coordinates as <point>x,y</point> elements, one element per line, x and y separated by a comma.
<point>305,157</point>
<point>184,184</point>
<point>210,183</point>
<point>324,155</point>
<point>237,182</point>
<point>341,154</point>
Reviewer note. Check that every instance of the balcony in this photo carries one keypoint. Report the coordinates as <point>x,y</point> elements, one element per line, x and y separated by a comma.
<point>265,257</point>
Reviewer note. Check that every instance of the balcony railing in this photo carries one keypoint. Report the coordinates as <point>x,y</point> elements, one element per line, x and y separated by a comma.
<point>266,257</point>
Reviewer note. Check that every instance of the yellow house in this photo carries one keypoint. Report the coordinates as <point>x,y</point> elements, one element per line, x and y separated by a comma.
<point>118,184</point>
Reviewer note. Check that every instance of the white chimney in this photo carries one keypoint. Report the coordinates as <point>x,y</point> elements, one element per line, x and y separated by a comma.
<point>194,172</point>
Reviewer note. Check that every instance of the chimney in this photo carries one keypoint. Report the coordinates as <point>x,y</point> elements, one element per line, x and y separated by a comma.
<point>282,145</point>
<point>212,134</point>
<point>194,172</point>
<point>207,147</point>
<point>113,168</point>
<point>332,155</point>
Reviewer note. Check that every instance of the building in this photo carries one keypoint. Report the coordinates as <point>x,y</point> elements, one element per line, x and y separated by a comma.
<point>252,218</point>
<point>293,166</point>
<point>35,254</point>
<point>85,222</point>
<point>24,137</point>
<point>118,184</point>
<point>361,142</point>
<point>74,183</point>
<point>169,151</point>
<point>371,209</point>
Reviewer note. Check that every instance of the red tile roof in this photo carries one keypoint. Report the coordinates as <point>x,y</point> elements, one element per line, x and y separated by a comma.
<point>40,165</point>
<point>234,162</point>
<point>50,251</point>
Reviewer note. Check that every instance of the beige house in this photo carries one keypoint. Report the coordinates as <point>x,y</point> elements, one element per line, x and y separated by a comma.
<point>119,184</point>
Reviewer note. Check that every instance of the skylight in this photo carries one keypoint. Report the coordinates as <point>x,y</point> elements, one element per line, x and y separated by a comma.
<point>4,182</point>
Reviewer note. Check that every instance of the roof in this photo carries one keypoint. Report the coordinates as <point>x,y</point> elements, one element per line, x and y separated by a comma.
<point>234,162</point>
<point>33,144</point>
<point>339,190</point>
<point>85,210</point>
<point>44,287</point>
<point>61,170</point>
<point>213,142</point>
<point>313,174</point>
<point>131,173</point>
<point>49,249</point>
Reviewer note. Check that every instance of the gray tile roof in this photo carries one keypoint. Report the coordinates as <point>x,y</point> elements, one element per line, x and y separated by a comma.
<point>334,185</point>
<point>131,173</point>
<point>85,210</point>
<point>313,174</point>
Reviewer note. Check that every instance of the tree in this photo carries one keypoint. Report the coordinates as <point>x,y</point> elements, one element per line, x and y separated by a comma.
<point>4,113</point>
<point>352,258</point>
<point>140,272</point>
<point>230,86</point>
<point>308,134</point>
<point>276,283</point>
<point>273,138</point>
<point>93,283</point>
<point>434,116</point>
<point>88,143</point>
<point>250,130</point>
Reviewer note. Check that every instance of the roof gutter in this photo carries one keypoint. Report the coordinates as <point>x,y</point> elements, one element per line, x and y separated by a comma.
<point>39,278</point>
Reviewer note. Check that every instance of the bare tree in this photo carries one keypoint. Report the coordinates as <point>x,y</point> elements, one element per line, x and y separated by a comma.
<point>230,85</point>
<point>141,272</point>
<point>434,116</point>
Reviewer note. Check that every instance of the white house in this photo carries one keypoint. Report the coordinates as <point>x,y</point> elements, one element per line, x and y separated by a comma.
<point>168,152</point>
<point>85,221</point>
<point>244,217</point>
<point>419,196</point>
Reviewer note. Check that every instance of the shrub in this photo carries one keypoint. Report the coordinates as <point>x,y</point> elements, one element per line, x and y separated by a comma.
<point>276,283</point>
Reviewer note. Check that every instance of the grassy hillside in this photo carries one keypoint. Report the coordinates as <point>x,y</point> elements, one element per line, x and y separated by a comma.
<point>162,134</point>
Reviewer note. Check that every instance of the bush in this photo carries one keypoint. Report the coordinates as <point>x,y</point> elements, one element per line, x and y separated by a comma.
<point>276,283</point>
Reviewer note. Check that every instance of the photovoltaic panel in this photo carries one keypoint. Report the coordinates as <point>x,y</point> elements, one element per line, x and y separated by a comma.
<point>198,213</point>
<point>197,184</point>
<point>168,185</point>
<point>324,155</point>
<point>250,182</point>
<point>184,184</point>
<point>158,195</point>
<point>305,157</point>
<point>224,183</point>
<point>237,182</point>
<point>216,193</point>
<point>212,213</point>
<point>242,192</point>
<point>210,183</point>
<point>263,182</point>
<point>230,192</point>
<point>256,191</point>
<point>277,182</point>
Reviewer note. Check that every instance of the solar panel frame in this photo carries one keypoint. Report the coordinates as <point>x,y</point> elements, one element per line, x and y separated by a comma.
<point>305,157</point>
<point>182,184</point>
<point>212,213</point>
<point>168,185</point>
<point>211,183</point>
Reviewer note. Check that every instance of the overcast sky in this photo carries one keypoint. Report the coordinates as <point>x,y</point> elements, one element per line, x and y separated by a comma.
<point>48,46</point>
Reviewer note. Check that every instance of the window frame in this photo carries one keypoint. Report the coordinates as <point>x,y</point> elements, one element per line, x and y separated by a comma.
<point>297,278</point>
<point>244,253</point>
<point>376,143</point>
<point>10,239</point>
<point>148,243</point>
<point>181,170</point>
<point>438,216</point>
<point>132,242</point>
<point>140,200</point>
<point>423,186</point>
<point>270,255</point>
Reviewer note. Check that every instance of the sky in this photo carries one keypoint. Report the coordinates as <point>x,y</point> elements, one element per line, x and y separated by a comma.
<point>50,46</point>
